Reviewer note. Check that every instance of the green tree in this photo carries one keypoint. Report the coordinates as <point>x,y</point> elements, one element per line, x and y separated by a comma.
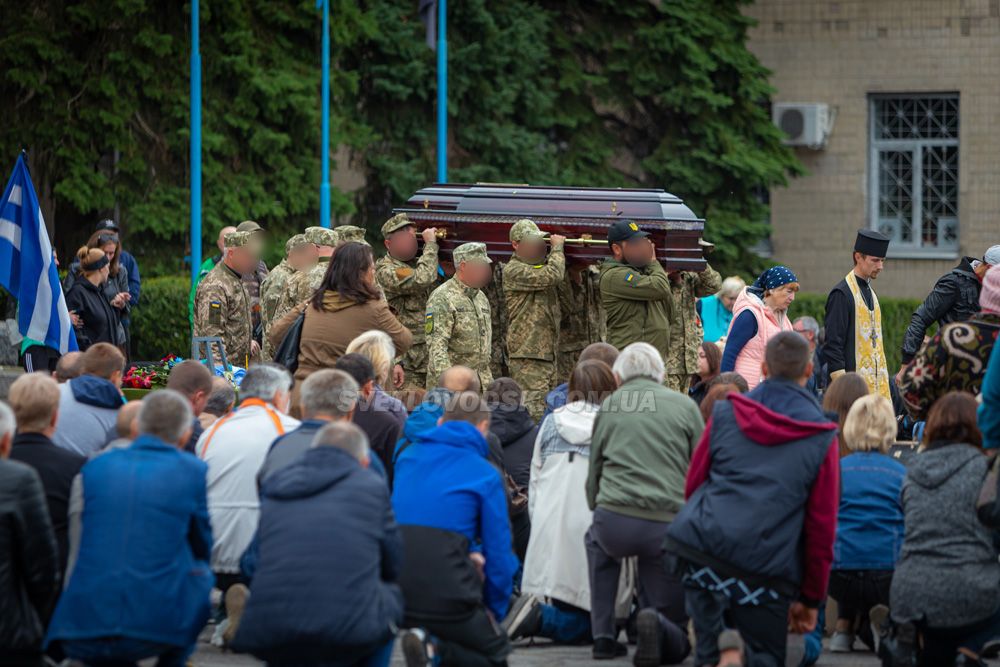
<point>574,92</point>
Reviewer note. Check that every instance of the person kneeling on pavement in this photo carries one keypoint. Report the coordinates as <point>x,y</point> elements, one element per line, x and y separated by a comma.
<point>324,589</point>
<point>555,568</point>
<point>754,541</point>
<point>151,598</point>
<point>458,574</point>
<point>642,442</point>
<point>946,586</point>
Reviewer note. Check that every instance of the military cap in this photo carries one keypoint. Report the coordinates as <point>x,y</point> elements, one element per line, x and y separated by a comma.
<point>249,226</point>
<point>237,239</point>
<point>294,242</point>
<point>322,236</point>
<point>348,233</point>
<point>471,252</point>
<point>525,229</point>
<point>395,223</point>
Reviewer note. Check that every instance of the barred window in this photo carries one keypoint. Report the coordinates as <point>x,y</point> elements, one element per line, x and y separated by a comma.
<point>913,194</point>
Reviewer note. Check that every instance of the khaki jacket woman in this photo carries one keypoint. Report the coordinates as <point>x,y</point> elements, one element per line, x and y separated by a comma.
<point>346,305</point>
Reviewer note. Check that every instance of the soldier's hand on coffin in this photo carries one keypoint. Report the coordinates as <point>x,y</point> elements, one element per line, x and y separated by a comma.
<point>557,240</point>
<point>429,235</point>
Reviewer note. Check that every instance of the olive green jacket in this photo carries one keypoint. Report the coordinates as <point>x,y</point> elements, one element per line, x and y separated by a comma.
<point>638,303</point>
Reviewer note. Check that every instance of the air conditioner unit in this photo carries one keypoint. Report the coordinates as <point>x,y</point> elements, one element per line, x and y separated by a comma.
<point>804,124</point>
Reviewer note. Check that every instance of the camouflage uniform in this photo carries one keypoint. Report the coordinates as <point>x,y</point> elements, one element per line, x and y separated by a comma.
<point>252,281</point>
<point>406,286</point>
<point>686,334</point>
<point>531,294</point>
<point>349,233</point>
<point>303,284</point>
<point>498,311</point>
<point>273,289</point>
<point>457,324</point>
<point>582,318</point>
<point>222,307</point>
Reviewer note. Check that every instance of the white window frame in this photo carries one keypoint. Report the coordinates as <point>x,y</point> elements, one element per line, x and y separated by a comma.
<point>914,147</point>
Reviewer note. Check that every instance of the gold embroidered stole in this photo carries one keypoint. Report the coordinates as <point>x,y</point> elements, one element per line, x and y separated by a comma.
<point>869,352</point>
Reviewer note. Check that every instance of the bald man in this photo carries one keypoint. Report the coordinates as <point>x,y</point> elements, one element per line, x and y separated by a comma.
<point>207,266</point>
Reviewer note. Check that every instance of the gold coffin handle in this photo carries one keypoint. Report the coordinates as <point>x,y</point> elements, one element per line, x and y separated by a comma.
<point>587,239</point>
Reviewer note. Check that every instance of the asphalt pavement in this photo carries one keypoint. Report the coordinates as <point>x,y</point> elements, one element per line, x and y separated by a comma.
<point>526,654</point>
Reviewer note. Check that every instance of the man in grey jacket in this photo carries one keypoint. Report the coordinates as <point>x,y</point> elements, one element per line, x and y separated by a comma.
<point>88,405</point>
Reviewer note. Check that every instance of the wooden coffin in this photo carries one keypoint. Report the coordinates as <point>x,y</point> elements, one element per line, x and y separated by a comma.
<point>485,213</point>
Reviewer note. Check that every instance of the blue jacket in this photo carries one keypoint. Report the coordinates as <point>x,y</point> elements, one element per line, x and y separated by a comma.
<point>330,553</point>
<point>423,418</point>
<point>714,318</point>
<point>870,519</point>
<point>555,399</point>
<point>142,571</point>
<point>132,268</point>
<point>445,481</point>
<point>989,410</point>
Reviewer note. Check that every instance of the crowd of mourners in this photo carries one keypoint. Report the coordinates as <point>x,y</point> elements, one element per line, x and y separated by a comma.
<point>311,518</point>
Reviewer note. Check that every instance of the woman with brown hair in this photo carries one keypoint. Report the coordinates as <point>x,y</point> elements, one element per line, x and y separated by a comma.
<point>98,321</point>
<point>115,288</point>
<point>347,304</point>
<point>839,398</point>
<point>709,363</point>
<point>946,586</point>
<point>555,566</point>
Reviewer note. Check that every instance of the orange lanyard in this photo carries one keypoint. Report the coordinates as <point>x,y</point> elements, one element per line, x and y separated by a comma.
<point>247,403</point>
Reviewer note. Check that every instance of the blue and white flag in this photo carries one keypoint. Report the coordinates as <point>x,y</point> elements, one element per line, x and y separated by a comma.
<point>28,268</point>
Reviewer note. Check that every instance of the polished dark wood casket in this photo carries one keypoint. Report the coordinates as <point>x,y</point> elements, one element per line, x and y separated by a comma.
<point>485,213</point>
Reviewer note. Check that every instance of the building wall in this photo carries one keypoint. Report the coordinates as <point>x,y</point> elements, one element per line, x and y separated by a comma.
<point>839,53</point>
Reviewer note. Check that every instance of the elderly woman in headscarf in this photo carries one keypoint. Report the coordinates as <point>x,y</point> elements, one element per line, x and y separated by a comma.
<point>760,312</point>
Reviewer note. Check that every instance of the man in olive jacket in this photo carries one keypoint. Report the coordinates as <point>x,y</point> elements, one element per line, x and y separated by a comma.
<point>635,290</point>
<point>642,443</point>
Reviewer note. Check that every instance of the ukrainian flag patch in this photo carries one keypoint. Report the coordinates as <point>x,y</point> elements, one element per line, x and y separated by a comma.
<point>428,323</point>
<point>629,277</point>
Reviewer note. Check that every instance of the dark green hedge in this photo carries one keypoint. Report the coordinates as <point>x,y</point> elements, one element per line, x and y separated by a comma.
<point>895,318</point>
<point>160,323</point>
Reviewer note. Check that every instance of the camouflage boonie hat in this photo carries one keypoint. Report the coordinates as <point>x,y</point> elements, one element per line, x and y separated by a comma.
<point>525,229</point>
<point>322,236</point>
<point>249,226</point>
<point>348,233</point>
<point>296,241</point>
<point>237,239</point>
<point>395,223</point>
<point>471,252</point>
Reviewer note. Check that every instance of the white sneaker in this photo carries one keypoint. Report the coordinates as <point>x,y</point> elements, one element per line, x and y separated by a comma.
<point>220,628</point>
<point>841,642</point>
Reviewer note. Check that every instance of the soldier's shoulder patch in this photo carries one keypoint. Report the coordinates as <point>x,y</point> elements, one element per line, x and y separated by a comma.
<point>403,272</point>
<point>630,277</point>
<point>428,323</point>
<point>215,304</point>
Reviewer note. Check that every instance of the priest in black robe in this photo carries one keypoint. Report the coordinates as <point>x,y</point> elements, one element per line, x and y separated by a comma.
<point>840,351</point>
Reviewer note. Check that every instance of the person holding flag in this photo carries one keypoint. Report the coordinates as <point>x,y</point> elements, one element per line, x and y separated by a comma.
<point>28,271</point>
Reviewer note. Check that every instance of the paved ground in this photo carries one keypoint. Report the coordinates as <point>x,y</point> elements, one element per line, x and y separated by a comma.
<point>539,654</point>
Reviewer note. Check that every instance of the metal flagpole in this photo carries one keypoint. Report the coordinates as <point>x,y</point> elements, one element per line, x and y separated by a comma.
<point>195,145</point>
<point>442,92</point>
<point>324,186</point>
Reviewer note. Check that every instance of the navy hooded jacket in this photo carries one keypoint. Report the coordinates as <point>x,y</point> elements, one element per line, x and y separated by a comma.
<point>329,557</point>
<point>444,480</point>
<point>762,492</point>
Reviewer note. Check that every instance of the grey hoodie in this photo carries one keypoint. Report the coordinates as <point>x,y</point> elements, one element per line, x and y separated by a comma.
<point>947,574</point>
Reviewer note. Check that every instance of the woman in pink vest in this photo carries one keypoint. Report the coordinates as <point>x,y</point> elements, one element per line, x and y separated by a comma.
<point>759,313</point>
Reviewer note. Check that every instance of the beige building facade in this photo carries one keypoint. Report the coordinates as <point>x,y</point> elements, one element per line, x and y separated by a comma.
<point>913,91</point>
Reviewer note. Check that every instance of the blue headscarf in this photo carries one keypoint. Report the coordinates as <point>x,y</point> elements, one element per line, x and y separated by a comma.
<point>774,278</point>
